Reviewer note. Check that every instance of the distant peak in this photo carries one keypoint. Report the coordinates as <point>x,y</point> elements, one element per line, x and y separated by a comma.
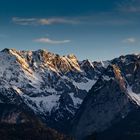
<point>10,50</point>
<point>87,62</point>
<point>42,50</point>
<point>6,50</point>
<point>72,57</point>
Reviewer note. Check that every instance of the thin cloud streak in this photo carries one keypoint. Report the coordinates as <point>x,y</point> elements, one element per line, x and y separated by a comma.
<point>130,40</point>
<point>24,21</point>
<point>43,21</point>
<point>50,41</point>
<point>56,21</point>
<point>97,19</point>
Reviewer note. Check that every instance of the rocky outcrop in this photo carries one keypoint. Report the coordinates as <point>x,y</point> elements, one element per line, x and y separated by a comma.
<point>107,104</point>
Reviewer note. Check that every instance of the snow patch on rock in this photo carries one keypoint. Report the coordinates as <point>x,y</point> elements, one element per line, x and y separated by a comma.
<point>134,96</point>
<point>85,85</point>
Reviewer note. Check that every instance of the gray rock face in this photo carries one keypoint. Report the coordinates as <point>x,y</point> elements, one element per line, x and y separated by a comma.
<point>108,102</point>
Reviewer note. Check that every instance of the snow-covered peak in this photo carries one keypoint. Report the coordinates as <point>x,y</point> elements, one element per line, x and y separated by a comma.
<point>45,81</point>
<point>105,64</point>
<point>45,60</point>
<point>72,56</point>
<point>87,63</point>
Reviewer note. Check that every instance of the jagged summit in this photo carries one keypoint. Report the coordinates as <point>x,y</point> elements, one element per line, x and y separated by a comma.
<point>5,50</point>
<point>72,57</point>
<point>114,97</point>
<point>44,58</point>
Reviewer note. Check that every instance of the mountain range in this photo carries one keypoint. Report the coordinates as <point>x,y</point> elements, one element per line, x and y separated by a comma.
<point>47,96</point>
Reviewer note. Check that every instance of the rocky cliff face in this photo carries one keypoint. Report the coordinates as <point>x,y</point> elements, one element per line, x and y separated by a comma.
<point>114,98</point>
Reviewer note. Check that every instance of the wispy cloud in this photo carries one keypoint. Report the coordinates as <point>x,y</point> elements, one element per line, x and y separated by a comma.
<point>43,21</point>
<point>98,19</point>
<point>129,40</point>
<point>113,18</point>
<point>24,21</point>
<point>50,41</point>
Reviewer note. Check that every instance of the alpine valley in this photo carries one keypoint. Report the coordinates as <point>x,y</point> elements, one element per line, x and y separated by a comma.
<point>46,96</point>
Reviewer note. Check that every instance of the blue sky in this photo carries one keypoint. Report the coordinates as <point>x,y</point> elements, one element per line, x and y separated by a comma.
<point>90,29</point>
